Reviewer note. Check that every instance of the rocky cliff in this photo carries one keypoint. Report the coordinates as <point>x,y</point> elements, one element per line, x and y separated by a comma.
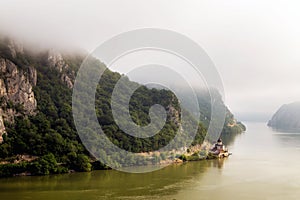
<point>287,118</point>
<point>17,96</point>
<point>56,61</point>
<point>18,77</point>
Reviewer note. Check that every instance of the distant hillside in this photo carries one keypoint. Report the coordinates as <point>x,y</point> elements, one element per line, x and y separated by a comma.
<point>287,118</point>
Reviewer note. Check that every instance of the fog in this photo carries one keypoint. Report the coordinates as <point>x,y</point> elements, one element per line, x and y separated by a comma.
<point>254,44</point>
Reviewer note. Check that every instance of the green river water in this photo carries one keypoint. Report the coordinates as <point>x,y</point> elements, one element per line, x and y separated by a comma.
<point>264,165</point>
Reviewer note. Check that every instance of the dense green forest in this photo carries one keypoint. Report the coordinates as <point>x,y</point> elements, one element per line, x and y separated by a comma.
<point>50,133</point>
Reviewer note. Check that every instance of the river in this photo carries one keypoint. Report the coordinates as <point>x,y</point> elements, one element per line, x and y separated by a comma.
<point>265,165</point>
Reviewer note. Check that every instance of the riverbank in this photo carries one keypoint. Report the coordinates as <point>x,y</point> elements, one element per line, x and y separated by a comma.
<point>26,165</point>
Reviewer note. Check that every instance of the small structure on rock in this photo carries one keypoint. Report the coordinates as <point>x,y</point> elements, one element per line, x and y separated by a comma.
<point>219,150</point>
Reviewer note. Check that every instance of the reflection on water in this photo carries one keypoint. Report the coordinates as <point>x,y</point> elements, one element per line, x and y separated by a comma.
<point>288,140</point>
<point>107,184</point>
<point>228,139</point>
<point>218,163</point>
<point>264,165</point>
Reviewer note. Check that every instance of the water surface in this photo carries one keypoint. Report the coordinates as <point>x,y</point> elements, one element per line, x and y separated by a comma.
<point>265,165</point>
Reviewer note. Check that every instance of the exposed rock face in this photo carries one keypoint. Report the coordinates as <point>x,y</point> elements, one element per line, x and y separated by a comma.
<point>56,61</point>
<point>18,85</point>
<point>287,118</point>
<point>15,48</point>
<point>16,89</point>
<point>174,114</point>
<point>2,128</point>
<point>17,80</point>
<point>67,80</point>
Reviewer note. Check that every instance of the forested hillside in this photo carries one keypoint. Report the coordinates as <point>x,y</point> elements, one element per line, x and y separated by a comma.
<point>37,131</point>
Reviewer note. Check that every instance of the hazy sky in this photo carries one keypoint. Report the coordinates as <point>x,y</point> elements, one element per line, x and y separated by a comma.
<point>255,44</point>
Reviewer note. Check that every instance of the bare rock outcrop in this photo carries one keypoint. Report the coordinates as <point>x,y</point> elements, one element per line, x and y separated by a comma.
<point>56,61</point>
<point>16,92</point>
<point>15,48</point>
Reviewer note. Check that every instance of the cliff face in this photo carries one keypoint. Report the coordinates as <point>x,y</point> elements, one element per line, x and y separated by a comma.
<point>14,47</point>
<point>16,85</point>
<point>16,92</point>
<point>56,61</point>
<point>287,118</point>
<point>18,78</point>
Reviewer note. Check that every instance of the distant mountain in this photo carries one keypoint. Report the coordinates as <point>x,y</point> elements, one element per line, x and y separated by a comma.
<point>287,118</point>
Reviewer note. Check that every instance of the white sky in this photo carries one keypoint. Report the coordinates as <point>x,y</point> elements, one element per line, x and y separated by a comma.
<point>255,44</point>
